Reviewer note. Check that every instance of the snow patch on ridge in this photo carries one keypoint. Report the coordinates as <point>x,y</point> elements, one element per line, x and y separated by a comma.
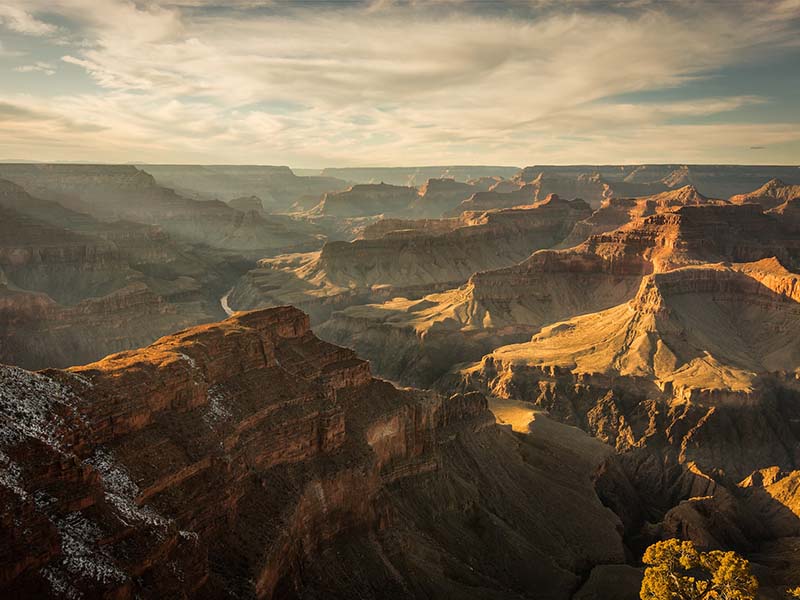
<point>217,410</point>
<point>121,491</point>
<point>32,406</point>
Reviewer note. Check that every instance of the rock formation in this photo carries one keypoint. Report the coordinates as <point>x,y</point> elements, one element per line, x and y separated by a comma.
<point>415,341</point>
<point>249,459</point>
<point>368,199</point>
<point>496,198</point>
<point>439,196</point>
<point>694,382</point>
<point>770,195</point>
<point>615,212</point>
<point>412,261</point>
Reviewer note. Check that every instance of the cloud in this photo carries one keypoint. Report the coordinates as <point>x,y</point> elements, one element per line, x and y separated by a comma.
<point>17,19</point>
<point>387,82</point>
<point>37,67</point>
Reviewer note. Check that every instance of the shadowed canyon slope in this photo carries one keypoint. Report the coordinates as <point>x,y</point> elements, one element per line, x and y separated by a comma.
<point>73,288</point>
<point>222,461</point>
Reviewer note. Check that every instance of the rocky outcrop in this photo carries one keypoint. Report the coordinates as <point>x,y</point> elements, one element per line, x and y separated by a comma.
<point>694,382</point>
<point>694,235</point>
<point>249,459</point>
<point>615,212</point>
<point>368,199</point>
<point>770,195</point>
<point>408,263</point>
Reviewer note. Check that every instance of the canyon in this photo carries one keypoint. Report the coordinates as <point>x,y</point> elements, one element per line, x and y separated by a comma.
<point>416,341</point>
<point>204,371</point>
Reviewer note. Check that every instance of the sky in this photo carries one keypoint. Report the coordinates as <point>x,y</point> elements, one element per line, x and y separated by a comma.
<point>376,83</point>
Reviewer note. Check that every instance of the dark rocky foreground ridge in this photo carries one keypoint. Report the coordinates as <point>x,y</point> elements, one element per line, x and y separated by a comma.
<point>249,459</point>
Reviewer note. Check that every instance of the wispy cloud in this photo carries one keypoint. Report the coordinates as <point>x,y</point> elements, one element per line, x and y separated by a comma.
<point>37,67</point>
<point>385,82</point>
<point>16,18</point>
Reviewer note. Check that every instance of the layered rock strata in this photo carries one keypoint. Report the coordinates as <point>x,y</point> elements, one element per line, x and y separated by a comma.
<point>249,459</point>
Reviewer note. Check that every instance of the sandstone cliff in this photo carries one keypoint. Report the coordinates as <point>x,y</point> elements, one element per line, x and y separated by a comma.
<point>694,382</point>
<point>617,211</point>
<point>249,459</point>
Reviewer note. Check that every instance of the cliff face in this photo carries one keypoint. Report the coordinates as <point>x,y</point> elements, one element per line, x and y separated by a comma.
<point>693,235</point>
<point>617,211</point>
<point>496,198</point>
<point>250,459</point>
<point>125,192</point>
<point>694,382</point>
<point>368,199</point>
<point>409,263</point>
<point>439,196</point>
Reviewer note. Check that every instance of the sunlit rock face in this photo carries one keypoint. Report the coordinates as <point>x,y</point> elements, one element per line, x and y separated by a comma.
<point>416,341</point>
